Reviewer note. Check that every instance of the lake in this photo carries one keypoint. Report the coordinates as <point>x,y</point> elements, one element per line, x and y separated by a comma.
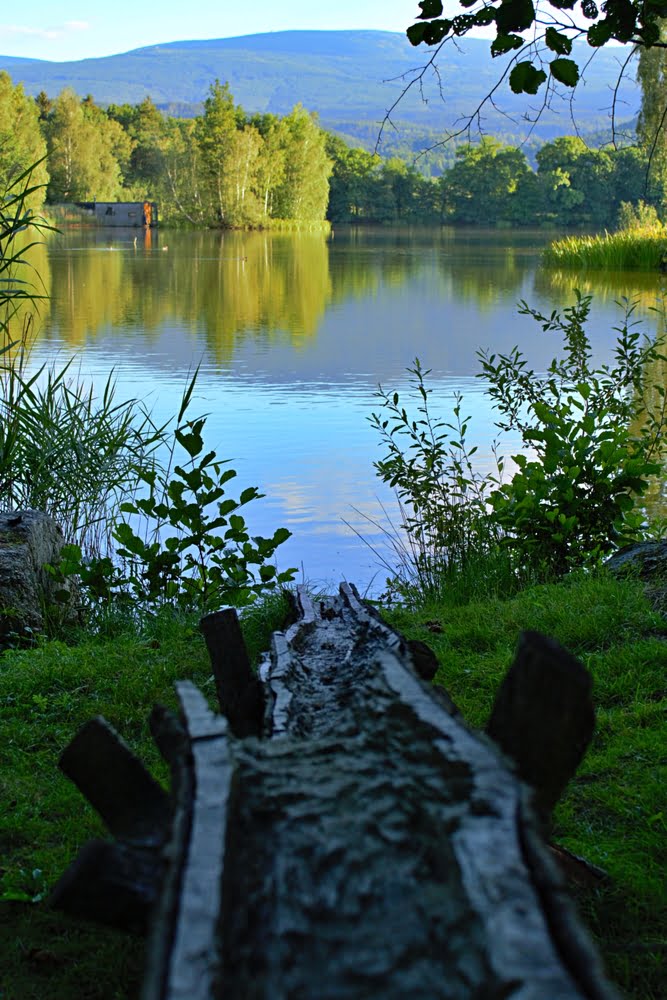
<point>293,333</point>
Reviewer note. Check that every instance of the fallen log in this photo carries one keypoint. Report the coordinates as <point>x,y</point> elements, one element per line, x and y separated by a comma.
<point>362,842</point>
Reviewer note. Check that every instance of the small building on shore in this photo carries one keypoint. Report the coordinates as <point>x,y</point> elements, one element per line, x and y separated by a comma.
<point>133,214</point>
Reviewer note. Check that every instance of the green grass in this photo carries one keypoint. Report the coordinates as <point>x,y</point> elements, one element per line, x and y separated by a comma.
<point>46,694</point>
<point>639,248</point>
<point>614,812</point>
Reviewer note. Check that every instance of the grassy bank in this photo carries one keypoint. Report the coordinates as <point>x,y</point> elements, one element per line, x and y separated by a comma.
<point>639,249</point>
<point>613,813</point>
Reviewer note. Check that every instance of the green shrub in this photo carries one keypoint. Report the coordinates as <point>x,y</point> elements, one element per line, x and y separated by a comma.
<point>173,551</point>
<point>639,216</point>
<point>597,436</point>
<point>188,559</point>
<point>444,499</point>
<point>593,438</point>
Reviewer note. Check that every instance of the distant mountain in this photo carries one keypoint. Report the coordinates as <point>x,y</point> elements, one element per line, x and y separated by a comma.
<point>350,78</point>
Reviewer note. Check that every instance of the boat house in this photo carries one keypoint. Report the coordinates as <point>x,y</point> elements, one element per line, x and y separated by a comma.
<point>134,214</point>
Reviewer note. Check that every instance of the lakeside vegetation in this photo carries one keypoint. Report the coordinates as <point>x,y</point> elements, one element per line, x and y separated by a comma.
<point>641,249</point>
<point>640,243</point>
<point>491,184</point>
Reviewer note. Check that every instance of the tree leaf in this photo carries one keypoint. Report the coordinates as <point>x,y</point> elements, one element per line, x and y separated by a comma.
<point>191,441</point>
<point>599,34</point>
<point>565,71</point>
<point>505,43</point>
<point>415,33</point>
<point>430,9</point>
<point>650,34</point>
<point>250,493</point>
<point>525,79</point>
<point>558,42</point>
<point>436,31</point>
<point>486,15</point>
<point>514,15</point>
<point>430,33</point>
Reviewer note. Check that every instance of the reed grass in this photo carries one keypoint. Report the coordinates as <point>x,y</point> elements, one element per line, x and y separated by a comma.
<point>68,450</point>
<point>72,216</point>
<point>296,226</point>
<point>20,230</point>
<point>642,248</point>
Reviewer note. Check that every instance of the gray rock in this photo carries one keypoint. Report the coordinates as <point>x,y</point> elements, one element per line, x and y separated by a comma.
<point>28,540</point>
<point>646,560</point>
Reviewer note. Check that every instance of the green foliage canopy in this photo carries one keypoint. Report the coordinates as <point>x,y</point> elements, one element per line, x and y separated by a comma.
<point>487,174</point>
<point>228,169</point>
<point>21,142</point>
<point>491,183</point>
<point>85,146</point>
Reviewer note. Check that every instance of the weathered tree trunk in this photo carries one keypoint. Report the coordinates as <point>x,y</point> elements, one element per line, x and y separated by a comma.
<point>365,844</point>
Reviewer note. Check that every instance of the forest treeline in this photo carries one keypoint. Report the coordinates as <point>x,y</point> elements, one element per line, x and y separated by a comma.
<point>223,168</point>
<point>494,184</point>
<point>230,169</point>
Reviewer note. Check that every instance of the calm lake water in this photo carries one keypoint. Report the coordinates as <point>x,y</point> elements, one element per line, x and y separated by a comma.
<point>293,335</point>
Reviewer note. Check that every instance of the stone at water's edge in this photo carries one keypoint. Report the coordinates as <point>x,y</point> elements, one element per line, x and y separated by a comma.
<point>28,540</point>
<point>646,559</point>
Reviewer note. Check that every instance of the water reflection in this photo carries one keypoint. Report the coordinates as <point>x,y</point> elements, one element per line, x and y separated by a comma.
<point>645,288</point>
<point>229,285</point>
<point>293,333</point>
<point>32,274</point>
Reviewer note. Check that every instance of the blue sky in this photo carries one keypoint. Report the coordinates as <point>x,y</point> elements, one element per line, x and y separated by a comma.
<point>44,29</point>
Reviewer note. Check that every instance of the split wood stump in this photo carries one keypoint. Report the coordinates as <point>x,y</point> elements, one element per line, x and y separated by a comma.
<point>339,833</point>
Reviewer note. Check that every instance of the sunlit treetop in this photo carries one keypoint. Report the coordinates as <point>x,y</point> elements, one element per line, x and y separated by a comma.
<point>538,36</point>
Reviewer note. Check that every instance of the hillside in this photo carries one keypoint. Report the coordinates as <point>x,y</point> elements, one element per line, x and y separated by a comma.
<point>350,78</point>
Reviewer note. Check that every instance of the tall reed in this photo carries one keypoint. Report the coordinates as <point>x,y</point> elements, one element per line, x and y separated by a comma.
<point>639,248</point>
